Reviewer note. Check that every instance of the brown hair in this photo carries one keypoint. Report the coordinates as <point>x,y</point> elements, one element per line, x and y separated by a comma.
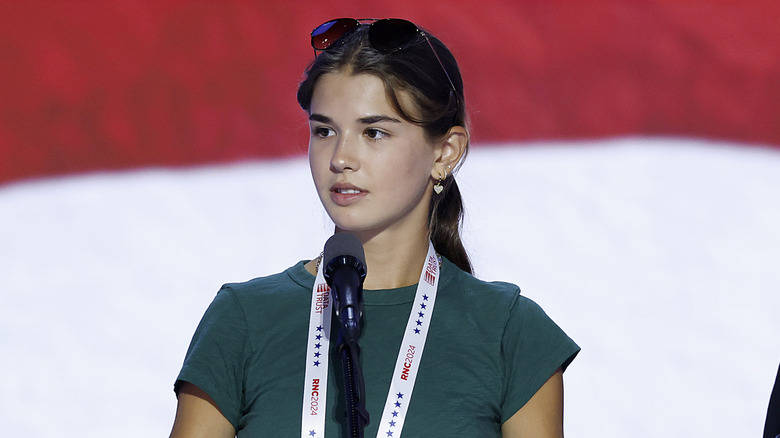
<point>415,70</point>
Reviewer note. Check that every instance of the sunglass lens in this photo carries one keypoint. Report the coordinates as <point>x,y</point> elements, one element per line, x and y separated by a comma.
<point>327,33</point>
<point>391,34</point>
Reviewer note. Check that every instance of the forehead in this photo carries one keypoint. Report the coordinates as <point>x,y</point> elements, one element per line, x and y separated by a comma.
<point>355,90</point>
<point>363,93</point>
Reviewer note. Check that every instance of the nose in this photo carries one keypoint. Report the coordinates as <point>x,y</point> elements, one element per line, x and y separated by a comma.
<point>344,156</point>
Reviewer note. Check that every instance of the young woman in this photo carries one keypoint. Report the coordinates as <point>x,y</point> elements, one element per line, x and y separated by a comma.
<point>388,131</point>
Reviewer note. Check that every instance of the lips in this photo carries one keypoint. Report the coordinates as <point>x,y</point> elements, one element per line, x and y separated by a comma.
<point>344,194</point>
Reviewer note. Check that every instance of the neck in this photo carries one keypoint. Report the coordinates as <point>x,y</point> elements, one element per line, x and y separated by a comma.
<point>392,261</point>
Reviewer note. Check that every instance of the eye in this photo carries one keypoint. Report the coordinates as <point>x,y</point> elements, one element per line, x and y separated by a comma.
<point>376,134</point>
<point>321,131</point>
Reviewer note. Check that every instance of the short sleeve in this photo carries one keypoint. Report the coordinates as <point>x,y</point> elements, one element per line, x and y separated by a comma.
<point>217,355</point>
<point>533,348</point>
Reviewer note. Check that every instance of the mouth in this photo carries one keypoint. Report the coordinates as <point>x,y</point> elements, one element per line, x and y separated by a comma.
<point>346,189</point>
<point>344,194</point>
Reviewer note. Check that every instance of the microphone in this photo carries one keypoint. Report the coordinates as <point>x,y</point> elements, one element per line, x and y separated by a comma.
<point>344,272</point>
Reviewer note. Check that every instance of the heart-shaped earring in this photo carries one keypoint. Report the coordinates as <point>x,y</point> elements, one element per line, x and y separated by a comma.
<point>438,188</point>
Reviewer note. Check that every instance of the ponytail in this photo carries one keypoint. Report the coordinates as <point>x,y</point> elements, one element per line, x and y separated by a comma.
<point>446,212</point>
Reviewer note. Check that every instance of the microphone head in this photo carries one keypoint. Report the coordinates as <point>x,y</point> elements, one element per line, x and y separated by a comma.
<point>344,244</point>
<point>344,249</point>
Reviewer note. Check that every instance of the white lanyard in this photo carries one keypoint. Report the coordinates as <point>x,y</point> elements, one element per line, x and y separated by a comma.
<point>406,366</point>
<point>318,346</point>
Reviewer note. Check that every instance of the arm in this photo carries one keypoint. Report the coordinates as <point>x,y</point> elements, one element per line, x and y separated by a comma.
<point>197,416</point>
<point>542,416</point>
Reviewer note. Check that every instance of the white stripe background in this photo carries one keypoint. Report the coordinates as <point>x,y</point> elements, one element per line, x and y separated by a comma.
<point>661,257</point>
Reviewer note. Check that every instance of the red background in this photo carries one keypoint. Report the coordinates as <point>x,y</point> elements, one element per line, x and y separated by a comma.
<point>117,84</point>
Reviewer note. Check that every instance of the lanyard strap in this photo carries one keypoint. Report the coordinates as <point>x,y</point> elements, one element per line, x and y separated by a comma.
<point>409,355</point>
<point>317,350</point>
<point>406,366</point>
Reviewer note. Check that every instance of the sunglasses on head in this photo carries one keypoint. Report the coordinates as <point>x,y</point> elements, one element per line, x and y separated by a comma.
<point>387,35</point>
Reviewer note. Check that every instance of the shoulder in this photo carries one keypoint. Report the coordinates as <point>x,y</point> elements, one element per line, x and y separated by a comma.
<point>500,300</point>
<point>242,310</point>
<point>477,291</point>
<point>264,297</point>
<point>294,278</point>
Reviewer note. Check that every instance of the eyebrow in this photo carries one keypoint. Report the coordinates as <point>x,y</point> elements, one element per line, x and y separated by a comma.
<point>368,120</point>
<point>314,117</point>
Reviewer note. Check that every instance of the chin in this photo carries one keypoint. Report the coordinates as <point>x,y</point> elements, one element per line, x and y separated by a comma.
<point>350,227</point>
<point>353,225</point>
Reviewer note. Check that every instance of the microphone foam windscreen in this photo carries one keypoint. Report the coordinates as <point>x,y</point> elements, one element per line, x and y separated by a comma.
<point>341,244</point>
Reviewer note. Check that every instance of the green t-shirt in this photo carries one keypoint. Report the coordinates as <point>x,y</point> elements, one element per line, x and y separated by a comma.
<point>489,349</point>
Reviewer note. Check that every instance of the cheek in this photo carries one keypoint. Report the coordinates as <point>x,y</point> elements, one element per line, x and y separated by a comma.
<point>409,176</point>
<point>413,159</point>
<point>417,166</point>
<point>317,167</point>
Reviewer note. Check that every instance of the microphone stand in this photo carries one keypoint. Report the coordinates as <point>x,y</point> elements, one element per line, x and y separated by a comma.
<point>344,273</point>
<point>354,387</point>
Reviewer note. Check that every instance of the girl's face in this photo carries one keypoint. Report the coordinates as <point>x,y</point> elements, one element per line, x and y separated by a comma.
<point>373,170</point>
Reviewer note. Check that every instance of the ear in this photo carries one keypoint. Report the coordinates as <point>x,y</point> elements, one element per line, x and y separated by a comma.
<point>449,152</point>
